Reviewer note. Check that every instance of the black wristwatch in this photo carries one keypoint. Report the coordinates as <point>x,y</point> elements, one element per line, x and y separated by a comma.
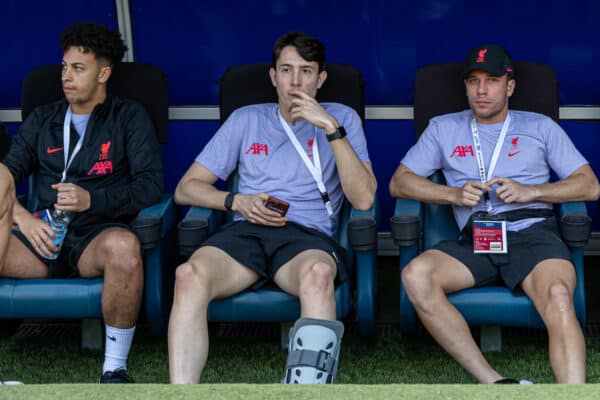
<point>338,134</point>
<point>229,200</point>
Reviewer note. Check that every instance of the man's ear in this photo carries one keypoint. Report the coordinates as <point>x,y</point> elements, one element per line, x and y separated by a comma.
<point>510,87</point>
<point>104,74</point>
<point>321,79</point>
<point>272,75</point>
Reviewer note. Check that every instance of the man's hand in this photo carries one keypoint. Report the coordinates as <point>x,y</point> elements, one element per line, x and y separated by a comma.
<point>38,233</point>
<point>307,108</point>
<point>71,197</point>
<point>470,194</point>
<point>511,191</point>
<point>253,210</point>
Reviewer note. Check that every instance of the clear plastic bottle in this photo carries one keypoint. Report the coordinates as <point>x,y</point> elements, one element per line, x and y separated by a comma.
<point>58,221</point>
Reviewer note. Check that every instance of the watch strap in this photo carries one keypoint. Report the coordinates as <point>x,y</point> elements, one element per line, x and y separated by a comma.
<point>229,200</point>
<point>339,133</point>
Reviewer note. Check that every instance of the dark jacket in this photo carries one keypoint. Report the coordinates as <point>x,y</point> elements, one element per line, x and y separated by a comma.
<point>119,162</point>
<point>4,141</point>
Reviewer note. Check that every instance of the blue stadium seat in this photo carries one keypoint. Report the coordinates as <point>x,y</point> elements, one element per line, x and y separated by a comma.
<point>418,226</point>
<point>250,84</point>
<point>81,298</point>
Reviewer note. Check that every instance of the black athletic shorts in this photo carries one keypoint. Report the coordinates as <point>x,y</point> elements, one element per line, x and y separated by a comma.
<point>526,249</point>
<point>265,249</point>
<point>76,241</point>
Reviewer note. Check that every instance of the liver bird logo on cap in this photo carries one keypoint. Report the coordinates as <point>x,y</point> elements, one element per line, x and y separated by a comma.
<point>481,56</point>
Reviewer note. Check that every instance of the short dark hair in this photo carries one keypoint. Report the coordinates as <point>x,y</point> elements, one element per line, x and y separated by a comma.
<point>307,46</point>
<point>94,38</point>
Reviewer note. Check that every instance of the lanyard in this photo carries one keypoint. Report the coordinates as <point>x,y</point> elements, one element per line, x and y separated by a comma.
<point>315,169</point>
<point>67,142</point>
<point>495,154</point>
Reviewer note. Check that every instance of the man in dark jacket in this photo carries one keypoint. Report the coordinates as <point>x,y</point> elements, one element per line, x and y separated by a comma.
<point>95,156</point>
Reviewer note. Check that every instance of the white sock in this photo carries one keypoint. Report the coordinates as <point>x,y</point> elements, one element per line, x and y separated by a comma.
<point>118,343</point>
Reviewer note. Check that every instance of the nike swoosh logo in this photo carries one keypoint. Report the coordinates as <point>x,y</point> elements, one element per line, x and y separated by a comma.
<point>114,339</point>
<point>514,153</point>
<point>54,150</point>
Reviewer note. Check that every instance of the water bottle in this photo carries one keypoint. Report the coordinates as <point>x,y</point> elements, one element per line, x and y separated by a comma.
<point>58,221</point>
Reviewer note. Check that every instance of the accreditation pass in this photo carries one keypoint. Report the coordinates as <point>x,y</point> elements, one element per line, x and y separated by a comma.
<point>489,236</point>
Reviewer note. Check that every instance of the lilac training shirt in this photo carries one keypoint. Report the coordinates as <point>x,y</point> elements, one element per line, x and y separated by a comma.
<point>253,140</point>
<point>534,145</point>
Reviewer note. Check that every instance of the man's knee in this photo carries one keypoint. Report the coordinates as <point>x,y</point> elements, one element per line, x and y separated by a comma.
<point>7,190</point>
<point>560,302</point>
<point>317,278</point>
<point>418,279</point>
<point>123,251</point>
<point>192,279</point>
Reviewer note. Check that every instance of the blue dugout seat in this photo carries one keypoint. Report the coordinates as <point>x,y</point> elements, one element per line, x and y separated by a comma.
<point>416,226</point>
<point>250,84</point>
<point>155,226</point>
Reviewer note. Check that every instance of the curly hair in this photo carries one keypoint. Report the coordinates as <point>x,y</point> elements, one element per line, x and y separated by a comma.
<point>307,46</point>
<point>95,38</point>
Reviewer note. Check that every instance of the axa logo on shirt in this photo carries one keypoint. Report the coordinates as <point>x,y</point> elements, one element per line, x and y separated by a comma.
<point>462,151</point>
<point>103,166</point>
<point>258,148</point>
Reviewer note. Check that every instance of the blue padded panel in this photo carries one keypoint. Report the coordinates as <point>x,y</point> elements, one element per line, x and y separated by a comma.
<point>496,305</point>
<point>269,305</point>
<point>31,30</point>
<point>386,40</point>
<point>50,298</point>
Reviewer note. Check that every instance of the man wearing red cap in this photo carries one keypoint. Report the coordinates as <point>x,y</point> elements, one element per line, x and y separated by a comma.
<point>503,180</point>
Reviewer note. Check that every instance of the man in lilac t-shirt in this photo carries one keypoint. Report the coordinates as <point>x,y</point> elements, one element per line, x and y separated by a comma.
<point>307,154</point>
<point>517,190</point>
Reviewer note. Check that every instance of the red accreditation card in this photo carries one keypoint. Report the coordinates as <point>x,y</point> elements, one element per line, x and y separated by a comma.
<point>489,237</point>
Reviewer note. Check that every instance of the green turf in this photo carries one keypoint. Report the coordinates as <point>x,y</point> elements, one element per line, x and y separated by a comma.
<point>249,392</point>
<point>48,359</point>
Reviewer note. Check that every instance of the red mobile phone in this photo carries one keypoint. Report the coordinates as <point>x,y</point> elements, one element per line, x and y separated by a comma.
<point>277,205</point>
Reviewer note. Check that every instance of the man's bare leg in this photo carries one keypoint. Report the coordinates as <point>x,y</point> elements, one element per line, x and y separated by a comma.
<point>427,280</point>
<point>115,254</point>
<point>209,273</point>
<point>7,199</point>
<point>550,286</point>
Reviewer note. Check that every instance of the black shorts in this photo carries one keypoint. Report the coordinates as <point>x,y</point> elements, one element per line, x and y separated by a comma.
<point>265,249</point>
<point>76,241</point>
<point>526,249</point>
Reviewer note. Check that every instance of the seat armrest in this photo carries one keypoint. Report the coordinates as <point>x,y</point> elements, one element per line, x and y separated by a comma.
<point>362,228</point>
<point>406,221</point>
<point>195,228</point>
<point>152,223</point>
<point>575,224</point>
